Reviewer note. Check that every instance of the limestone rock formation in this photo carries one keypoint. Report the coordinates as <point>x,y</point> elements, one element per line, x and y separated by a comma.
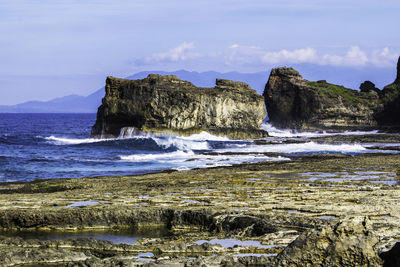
<point>293,102</point>
<point>167,104</point>
<point>349,243</point>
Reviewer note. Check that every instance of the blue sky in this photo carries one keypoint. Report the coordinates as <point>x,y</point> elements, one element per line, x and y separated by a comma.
<point>51,48</point>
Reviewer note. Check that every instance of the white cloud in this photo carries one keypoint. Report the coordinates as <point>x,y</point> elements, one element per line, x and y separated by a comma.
<point>353,57</point>
<point>182,52</point>
<point>286,56</point>
<point>383,57</point>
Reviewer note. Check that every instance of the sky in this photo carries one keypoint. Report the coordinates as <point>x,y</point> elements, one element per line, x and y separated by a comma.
<point>53,48</point>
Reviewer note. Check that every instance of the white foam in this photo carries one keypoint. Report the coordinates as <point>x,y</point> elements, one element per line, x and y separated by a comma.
<point>180,143</point>
<point>205,136</point>
<point>275,132</point>
<point>127,132</point>
<point>72,141</point>
<point>171,156</point>
<point>164,141</point>
<point>308,147</point>
<point>192,142</point>
<point>181,160</point>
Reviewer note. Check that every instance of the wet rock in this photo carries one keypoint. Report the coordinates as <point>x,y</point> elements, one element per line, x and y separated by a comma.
<point>244,225</point>
<point>10,256</point>
<point>167,104</point>
<point>247,261</point>
<point>349,243</point>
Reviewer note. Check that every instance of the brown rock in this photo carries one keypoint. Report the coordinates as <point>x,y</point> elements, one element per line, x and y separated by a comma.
<point>293,102</point>
<point>167,104</point>
<point>348,243</point>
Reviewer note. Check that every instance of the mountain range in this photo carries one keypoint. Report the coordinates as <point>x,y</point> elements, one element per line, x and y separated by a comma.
<point>349,77</point>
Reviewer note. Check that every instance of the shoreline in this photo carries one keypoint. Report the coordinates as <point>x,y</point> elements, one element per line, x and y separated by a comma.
<point>269,202</point>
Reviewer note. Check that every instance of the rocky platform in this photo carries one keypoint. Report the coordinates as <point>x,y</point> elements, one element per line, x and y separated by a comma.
<point>293,102</point>
<point>326,210</point>
<point>167,104</point>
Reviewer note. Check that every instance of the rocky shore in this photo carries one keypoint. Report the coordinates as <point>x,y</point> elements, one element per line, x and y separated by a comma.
<point>320,210</point>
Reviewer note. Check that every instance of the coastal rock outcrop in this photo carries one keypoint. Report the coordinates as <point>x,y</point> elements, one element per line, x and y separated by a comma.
<point>297,103</point>
<point>167,104</point>
<point>293,102</point>
<point>349,243</point>
<point>390,98</point>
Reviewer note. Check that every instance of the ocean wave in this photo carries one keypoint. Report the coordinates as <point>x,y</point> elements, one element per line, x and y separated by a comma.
<point>309,147</point>
<point>180,143</point>
<point>177,155</point>
<point>187,160</point>
<point>288,133</point>
<point>185,143</point>
<point>205,136</point>
<point>73,141</point>
<point>42,160</point>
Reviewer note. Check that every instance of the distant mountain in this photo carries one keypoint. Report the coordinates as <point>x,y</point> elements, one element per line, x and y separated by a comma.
<point>90,103</point>
<point>349,77</point>
<point>66,104</point>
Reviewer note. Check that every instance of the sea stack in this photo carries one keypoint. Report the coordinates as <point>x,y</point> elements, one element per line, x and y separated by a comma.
<point>166,104</point>
<point>293,102</point>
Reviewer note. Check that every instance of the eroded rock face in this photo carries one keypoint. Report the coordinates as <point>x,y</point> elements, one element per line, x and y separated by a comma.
<point>391,101</point>
<point>293,102</point>
<point>167,104</point>
<point>348,243</point>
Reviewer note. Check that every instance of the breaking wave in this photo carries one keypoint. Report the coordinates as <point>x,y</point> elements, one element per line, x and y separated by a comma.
<point>288,133</point>
<point>185,143</point>
<point>309,147</point>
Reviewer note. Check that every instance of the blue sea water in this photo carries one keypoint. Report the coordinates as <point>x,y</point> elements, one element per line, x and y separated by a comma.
<point>40,146</point>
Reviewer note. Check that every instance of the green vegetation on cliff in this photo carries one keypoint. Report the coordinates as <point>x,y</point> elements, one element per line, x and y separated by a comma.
<point>336,91</point>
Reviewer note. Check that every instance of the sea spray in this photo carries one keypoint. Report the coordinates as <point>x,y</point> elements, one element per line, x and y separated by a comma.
<point>289,133</point>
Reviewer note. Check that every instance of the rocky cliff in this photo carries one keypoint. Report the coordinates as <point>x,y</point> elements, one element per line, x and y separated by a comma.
<point>390,98</point>
<point>167,104</point>
<point>293,102</point>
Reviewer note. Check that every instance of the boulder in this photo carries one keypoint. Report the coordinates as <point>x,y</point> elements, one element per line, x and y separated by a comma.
<point>243,225</point>
<point>349,243</point>
<point>293,102</point>
<point>368,87</point>
<point>167,104</point>
<point>391,258</point>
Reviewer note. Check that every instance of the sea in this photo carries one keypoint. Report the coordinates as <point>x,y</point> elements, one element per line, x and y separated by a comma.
<point>43,146</point>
